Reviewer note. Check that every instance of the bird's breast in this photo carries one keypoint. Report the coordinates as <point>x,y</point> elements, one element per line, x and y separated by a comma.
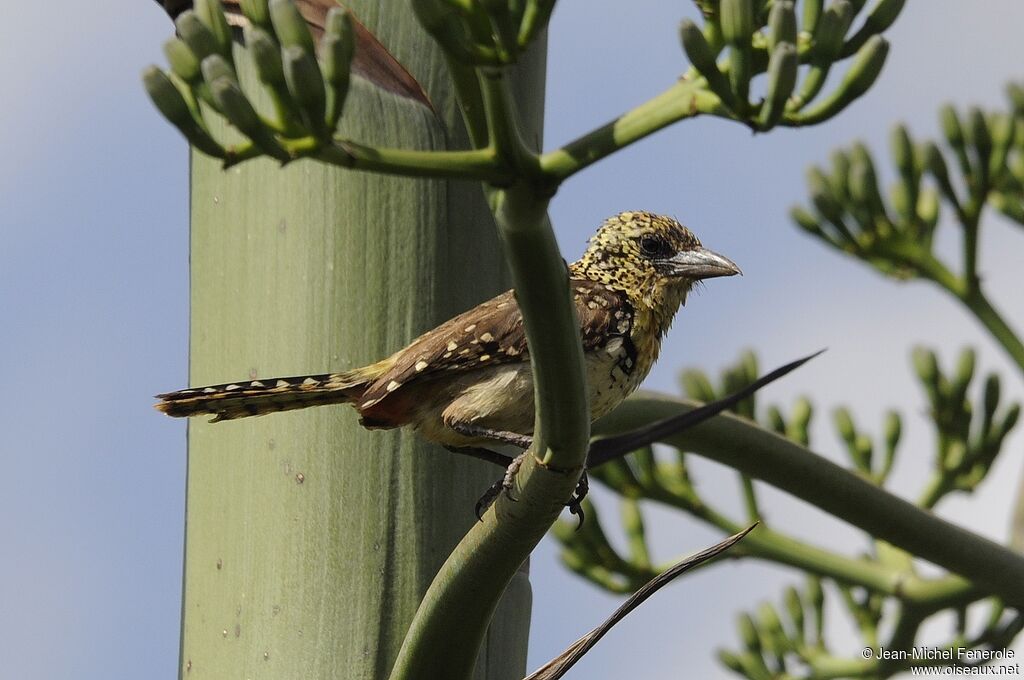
<point>614,371</point>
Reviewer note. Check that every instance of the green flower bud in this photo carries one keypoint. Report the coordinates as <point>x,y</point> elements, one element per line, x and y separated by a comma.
<point>927,367</point>
<point>955,456</point>
<point>863,181</point>
<point>795,609</point>
<point>216,66</point>
<point>338,48</point>
<point>815,593</point>
<point>748,366</point>
<point>1016,94</point>
<point>862,452</point>
<point>991,394</point>
<point>730,661</point>
<point>882,16</point>
<point>893,429</point>
<point>211,13</point>
<point>266,55</point>
<point>799,420</point>
<point>703,58</point>
<point>183,63</point>
<point>697,386</point>
<point>306,85</point>
<point>862,74</point>
<point>1002,128</point>
<point>1009,421</point>
<point>928,208</point>
<point>782,70</point>
<point>775,421</point>
<point>815,596</point>
<point>805,220</point>
<point>290,27</point>
<point>821,195</point>
<point>840,179</point>
<point>981,136</point>
<point>828,37</point>
<point>781,25</point>
<point>173,106</point>
<point>802,412</point>
<point>748,633</point>
<point>737,20</point>
<point>340,31</point>
<point>964,371</point>
<point>812,10</point>
<point>936,165</point>
<point>951,127</point>
<point>844,425</point>
<point>884,13</point>
<point>903,151</point>
<point>258,12</point>
<point>235,106</point>
<point>769,620</point>
<point>197,35</point>
<point>900,200</point>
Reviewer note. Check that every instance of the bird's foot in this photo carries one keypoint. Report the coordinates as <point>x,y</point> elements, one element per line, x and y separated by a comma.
<point>503,484</point>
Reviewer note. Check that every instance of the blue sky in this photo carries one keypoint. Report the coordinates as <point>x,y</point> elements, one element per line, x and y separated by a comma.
<point>93,284</point>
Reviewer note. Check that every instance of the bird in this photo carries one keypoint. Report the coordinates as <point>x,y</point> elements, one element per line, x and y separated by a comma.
<point>468,382</point>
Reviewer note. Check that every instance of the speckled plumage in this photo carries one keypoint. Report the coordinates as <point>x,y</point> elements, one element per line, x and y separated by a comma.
<point>474,369</point>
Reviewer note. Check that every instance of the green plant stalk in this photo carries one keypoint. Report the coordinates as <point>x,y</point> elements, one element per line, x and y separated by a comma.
<point>445,634</point>
<point>684,99</point>
<point>768,544</point>
<point>787,466</point>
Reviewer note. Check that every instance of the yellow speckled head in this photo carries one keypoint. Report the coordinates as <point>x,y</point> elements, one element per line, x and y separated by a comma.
<point>642,253</point>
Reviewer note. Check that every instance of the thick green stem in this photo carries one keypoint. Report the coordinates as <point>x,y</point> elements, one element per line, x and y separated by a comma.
<point>448,627</point>
<point>782,463</point>
<point>310,541</point>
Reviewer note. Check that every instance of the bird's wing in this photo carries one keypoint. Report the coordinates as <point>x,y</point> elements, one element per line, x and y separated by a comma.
<point>492,333</point>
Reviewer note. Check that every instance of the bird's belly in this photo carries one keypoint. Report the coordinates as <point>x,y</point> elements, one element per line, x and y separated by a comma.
<point>501,397</point>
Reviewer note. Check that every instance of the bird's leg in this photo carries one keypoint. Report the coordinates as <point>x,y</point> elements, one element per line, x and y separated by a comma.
<point>520,441</point>
<point>505,484</point>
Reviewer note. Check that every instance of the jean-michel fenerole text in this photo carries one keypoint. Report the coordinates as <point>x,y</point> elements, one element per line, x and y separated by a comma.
<point>962,654</point>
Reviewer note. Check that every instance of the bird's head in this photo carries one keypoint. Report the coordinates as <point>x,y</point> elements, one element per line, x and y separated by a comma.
<point>653,258</point>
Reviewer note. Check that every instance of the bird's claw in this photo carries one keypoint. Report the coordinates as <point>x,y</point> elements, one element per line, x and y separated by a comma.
<point>575,503</point>
<point>504,484</point>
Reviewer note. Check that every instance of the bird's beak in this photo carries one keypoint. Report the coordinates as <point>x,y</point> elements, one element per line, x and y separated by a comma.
<point>701,263</point>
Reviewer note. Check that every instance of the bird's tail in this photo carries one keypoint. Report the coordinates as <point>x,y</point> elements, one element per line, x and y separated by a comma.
<point>258,397</point>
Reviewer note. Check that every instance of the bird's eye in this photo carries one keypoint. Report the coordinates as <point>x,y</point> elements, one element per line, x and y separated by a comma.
<point>653,246</point>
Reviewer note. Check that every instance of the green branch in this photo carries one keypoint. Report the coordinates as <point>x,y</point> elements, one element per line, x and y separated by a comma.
<point>773,459</point>
<point>479,164</point>
<point>446,633</point>
<point>685,99</point>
